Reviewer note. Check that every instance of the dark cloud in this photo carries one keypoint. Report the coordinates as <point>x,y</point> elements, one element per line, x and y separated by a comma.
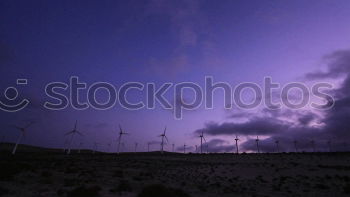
<point>267,145</point>
<point>214,145</point>
<point>218,145</point>
<point>286,142</point>
<point>338,65</point>
<point>188,148</point>
<point>337,118</point>
<point>286,125</point>
<point>306,119</point>
<point>255,126</point>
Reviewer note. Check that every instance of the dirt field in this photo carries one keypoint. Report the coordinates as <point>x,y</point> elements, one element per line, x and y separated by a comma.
<point>152,174</point>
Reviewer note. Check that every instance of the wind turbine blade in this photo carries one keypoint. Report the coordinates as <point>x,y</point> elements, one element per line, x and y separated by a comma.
<point>166,138</point>
<point>204,139</point>
<point>164,130</point>
<point>68,133</point>
<point>80,133</point>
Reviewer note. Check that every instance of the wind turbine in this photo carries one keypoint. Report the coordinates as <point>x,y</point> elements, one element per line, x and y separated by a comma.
<point>257,144</point>
<point>277,146</point>
<point>148,144</point>
<point>202,138</point>
<point>72,133</point>
<point>236,139</point>
<point>23,131</point>
<point>162,144</point>
<point>121,133</point>
<point>184,148</point>
<point>295,145</point>
<point>173,147</point>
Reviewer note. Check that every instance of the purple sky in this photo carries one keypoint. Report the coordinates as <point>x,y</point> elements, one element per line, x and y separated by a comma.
<point>174,41</point>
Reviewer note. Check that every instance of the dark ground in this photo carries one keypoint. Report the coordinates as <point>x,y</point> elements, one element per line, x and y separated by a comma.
<point>152,174</point>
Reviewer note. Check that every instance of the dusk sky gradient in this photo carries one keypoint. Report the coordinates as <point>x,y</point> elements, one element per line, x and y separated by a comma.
<point>174,41</point>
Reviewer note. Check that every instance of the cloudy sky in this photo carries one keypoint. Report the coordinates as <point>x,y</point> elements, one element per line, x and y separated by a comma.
<point>175,41</point>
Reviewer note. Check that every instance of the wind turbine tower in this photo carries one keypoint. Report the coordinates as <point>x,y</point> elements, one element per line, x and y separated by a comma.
<point>72,133</point>
<point>202,138</point>
<point>163,136</point>
<point>121,133</point>
<point>257,144</point>
<point>236,139</point>
<point>277,146</point>
<point>23,132</point>
<point>295,146</point>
